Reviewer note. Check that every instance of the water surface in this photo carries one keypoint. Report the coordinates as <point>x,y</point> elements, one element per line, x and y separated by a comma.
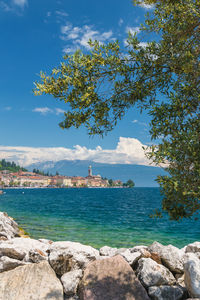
<point>114,217</point>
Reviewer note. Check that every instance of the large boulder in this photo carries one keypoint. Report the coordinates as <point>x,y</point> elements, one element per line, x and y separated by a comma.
<point>7,263</point>
<point>171,256</point>
<point>151,273</point>
<point>19,248</point>
<point>166,292</point>
<point>111,278</point>
<point>8,227</point>
<point>70,281</point>
<point>32,281</point>
<point>192,274</point>
<point>69,256</point>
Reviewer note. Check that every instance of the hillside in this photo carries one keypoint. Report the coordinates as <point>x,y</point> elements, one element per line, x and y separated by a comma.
<point>10,166</point>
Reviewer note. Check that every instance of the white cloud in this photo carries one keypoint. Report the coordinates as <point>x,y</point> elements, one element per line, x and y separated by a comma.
<point>69,50</point>
<point>47,110</point>
<point>128,151</point>
<point>106,35</point>
<point>42,110</point>
<point>59,111</point>
<point>78,37</point>
<point>61,13</point>
<point>20,3</point>
<point>13,5</point>
<point>132,30</point>
<point>66,28</point>
<point>143,44</point>
<point>74,33</point>
<point>146,6</point>
<point>139,123</point>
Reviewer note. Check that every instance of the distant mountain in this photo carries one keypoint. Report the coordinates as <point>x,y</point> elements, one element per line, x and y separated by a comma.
<point>143,176</point>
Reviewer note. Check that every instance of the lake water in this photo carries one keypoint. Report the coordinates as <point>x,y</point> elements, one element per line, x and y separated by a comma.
<point>98,217</point>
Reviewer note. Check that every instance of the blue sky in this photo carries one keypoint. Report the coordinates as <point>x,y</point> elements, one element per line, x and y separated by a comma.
<point>34,35</point>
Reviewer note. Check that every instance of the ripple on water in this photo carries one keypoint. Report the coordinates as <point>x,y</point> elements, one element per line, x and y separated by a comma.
<point>115,217</point>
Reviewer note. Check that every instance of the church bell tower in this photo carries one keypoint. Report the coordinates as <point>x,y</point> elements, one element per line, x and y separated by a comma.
<point>90,170</point>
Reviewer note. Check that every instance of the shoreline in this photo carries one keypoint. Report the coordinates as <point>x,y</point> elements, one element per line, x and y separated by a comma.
<point>70,270</point>
<point>65,188</point>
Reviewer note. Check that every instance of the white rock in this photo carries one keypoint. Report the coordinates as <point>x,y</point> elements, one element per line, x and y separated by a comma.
<point>171,256</point>
<point>7,263</point>
<point>108,251</point>
<point>140,248</point>
<point>8,227</point>
<point>18,248</point>
<point>180,279</point>
<point>131,258</point>
<point>152,274</point>
<point>45,241</point>
<point>68,256</point>
<point>192,274</point>
<point>194,248</point>
<point>36,256</point>
<point>31,282</point>
<point>70,281</point>
<point>166,292</point>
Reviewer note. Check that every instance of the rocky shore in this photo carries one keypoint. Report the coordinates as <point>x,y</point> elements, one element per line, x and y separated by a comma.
<point>43,269</point>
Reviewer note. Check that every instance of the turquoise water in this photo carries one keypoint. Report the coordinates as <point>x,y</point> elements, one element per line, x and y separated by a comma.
<point>114,217</point>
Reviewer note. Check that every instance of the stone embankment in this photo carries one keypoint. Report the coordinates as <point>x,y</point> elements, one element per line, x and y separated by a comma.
<point>42,270</point>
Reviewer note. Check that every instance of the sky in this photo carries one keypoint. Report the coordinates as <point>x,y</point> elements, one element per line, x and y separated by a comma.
<point>34,36</point>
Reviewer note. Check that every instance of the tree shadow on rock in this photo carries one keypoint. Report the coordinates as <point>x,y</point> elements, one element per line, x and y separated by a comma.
<point>122,286</point>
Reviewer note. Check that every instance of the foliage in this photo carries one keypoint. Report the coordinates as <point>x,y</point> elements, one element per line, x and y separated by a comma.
<point>39,172</point>
<point>161,77</point>
<point>110,182</point>
<point>129,183</point>
<point>10,166</point>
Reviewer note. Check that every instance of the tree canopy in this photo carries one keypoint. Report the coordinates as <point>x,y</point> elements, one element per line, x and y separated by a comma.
<point>10,166</point>
<point>130,183</point>
<point>161,76</point>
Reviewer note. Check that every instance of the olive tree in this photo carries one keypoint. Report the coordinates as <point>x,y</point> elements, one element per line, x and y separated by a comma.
<point>161,76</point>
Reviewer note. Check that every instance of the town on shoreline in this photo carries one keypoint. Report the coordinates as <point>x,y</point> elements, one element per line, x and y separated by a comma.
<point>37,179</point>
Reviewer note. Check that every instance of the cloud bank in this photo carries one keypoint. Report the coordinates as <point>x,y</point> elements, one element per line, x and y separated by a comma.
<point>128,151</point>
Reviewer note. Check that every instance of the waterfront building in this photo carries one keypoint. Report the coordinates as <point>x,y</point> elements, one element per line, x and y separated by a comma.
<point>30,181</point>
<point>78,181</point>
<point>64,181</point>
